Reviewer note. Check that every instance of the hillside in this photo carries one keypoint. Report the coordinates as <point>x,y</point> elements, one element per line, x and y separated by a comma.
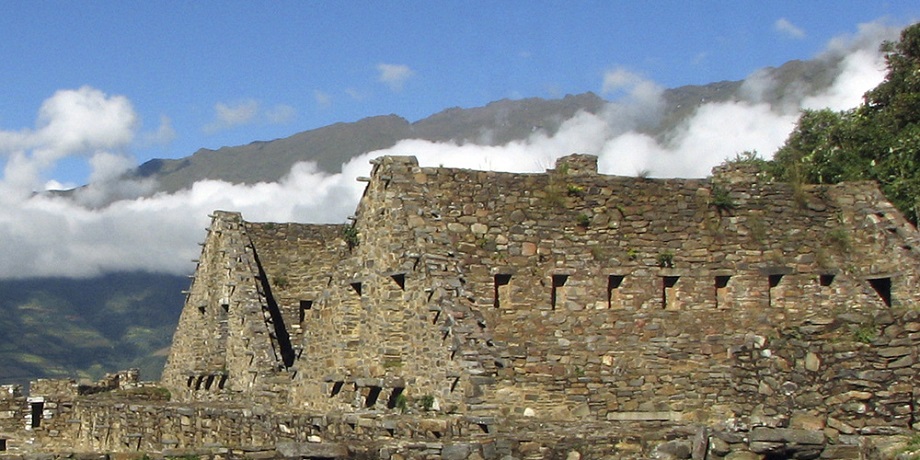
<point>83,328</point>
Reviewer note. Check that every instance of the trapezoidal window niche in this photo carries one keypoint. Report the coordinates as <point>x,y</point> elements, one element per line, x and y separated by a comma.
<point>502,290</point>
<point>826,279</point>
<point>882,287</point>
<point>614,296</point>
<point>775,295</point>
<point>373,393</point>
<point>400,280</point>
<point>357,286</point>
<point>557,294</point>
<point>669,300</point>
<point>723,295</point>
<point>305,306</point>
<point>37,411</point>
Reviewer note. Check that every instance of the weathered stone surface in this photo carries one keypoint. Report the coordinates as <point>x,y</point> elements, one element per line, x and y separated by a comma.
<point>787,436</point>
<point>674,450</point>
<point>314,450</point>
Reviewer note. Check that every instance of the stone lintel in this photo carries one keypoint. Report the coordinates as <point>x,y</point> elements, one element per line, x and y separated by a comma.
<point>776,270</point>
<point>645,416</point>
<point>503,270</point>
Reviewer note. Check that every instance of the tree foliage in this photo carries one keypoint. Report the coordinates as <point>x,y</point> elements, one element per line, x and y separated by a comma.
<point>879,140</point>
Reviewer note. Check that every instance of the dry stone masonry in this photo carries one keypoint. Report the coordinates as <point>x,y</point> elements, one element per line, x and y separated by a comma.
<point>482,315</point>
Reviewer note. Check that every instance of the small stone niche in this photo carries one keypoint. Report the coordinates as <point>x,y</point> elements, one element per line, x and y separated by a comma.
<point>502,294</point>
<point>400,280</point>
<point>37,409</point>
<point>373,394</point>
<point>775,293</point>
<point>669,298</point>
<point>557,294</point>
<point>723,297</point>
<point>614,296</point>
<point>305,306</point>
<point>882,287</point>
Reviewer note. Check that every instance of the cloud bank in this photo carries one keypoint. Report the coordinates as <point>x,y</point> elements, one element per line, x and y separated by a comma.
<point>49,235</point>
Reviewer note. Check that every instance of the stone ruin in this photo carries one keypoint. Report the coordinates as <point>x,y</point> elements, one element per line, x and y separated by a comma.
<point>484,315</point>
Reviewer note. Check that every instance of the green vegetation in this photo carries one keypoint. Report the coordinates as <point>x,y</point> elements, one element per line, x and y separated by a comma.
<point>427,402</point>
<point>281,282</point>
<point>73,328</point>
<point>402,403</point>
<point>911,449</point>
<point>865,333</point>
<point>583,220</point>
<point>575,190</point>
<point>632,254</point>
<point>879,140</point>
<point>666,259</point>
<point>554,196</point>
<point>840,239</point>
<point>721,199</point>
<point>350,235</point>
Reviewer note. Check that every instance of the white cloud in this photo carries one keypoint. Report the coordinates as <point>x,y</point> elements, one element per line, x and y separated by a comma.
<point>227,116</point>
<point>394,75</point>
<point>84,121</point>
<point>323,99</point>
<point>788,29</point>
<point>280,114</point>
<point>620,79</point>
<point>42,235</point>
<point>355,94</point>
<point>249,111</point>
<point>164,134</point>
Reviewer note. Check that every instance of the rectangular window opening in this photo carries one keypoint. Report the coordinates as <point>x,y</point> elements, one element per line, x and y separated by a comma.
<point>613,289</point>
<point>882,287</point>
<point>304,306</point>
<point>372,395</point>
<point>400,279</point>
<point>557,291</point>
<point>222,382</point>
<point>336,389</point>
<point>208,382</point>
<point>2,445</point>
<point>502,287</point>
<point>38,409</point>
<point>773,293</point>
<point>669,292</point>
<point>721,284</point>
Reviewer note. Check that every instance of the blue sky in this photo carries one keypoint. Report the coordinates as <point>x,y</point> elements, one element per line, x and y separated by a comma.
<point>91,89</point>
<point>210,74</point>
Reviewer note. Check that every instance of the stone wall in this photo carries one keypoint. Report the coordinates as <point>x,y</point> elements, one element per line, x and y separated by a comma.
<point>473,314</point>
